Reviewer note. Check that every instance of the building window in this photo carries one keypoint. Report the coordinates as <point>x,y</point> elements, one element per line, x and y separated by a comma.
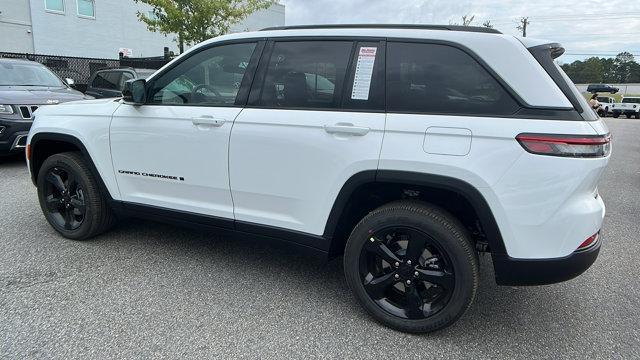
<point>86,8</point>
<point>54,5</point>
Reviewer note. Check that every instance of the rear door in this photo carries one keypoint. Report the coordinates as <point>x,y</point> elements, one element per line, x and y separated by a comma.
<point>307,130</point>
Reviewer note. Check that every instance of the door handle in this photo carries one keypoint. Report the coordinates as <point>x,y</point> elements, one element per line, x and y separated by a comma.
<point>347,129</point>
<point>208,120</point>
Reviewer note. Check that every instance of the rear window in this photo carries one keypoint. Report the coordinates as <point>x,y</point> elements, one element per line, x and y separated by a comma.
<point>106,80</point>
<point>631,100</point>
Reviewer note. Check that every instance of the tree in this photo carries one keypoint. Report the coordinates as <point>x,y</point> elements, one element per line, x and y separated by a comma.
<point>621,69</point>
<point>488,24</point>
<point>193,21</point>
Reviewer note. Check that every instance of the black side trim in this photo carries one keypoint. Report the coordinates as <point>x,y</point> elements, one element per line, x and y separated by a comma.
<point>73,141</point>
<point>477,29</point>
<point>342,199</point>
<point>510,271</point>
<point>468,191</point>
<point>314,244</point>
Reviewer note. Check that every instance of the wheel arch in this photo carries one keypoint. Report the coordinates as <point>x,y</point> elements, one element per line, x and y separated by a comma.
<point>353,202</point>
<point>43,145</point>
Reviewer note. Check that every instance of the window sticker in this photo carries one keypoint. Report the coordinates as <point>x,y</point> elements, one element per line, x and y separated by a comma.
<point>364,72</point>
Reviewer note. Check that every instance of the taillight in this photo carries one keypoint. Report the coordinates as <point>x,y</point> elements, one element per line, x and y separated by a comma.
<point>591,241</point>
<point>585,146</point>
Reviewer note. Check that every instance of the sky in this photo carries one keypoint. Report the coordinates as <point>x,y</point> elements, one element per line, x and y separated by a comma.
<point>585,28</point>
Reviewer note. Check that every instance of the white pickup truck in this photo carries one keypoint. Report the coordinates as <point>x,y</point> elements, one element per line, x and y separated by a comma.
<point>630,106</point>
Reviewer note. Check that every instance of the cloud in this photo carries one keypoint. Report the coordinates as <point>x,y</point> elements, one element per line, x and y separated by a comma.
<point>582,26</point>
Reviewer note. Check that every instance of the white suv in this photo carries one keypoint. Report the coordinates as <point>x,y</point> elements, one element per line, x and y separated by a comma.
<point>409,149</point>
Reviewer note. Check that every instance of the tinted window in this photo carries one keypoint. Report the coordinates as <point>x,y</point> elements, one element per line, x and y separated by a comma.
<point>306,74</point>
<point>366,78</point>
<point>442,79</point>
<point>209,77</point>
<point>126,76</point>
<point>106,80</point>
<point>631,100</point>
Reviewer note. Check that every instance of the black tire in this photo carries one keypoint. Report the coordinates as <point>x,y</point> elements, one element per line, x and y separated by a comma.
<point>606,112</point>
<point>70,197</point>
<point>616,115</point>
<point>628,116</point>
<point>637,115</point>
<point>443,237</point>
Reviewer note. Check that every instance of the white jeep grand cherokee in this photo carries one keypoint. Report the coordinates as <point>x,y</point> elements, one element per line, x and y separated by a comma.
<point>409,149</point>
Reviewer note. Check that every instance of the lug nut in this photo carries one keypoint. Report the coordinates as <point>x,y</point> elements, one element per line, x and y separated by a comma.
<point>396,264</point>
<point>396,276</point>
<point>408,262</point>
<point>408,282</point>
<point>416,273</point>
<point>372,239</point>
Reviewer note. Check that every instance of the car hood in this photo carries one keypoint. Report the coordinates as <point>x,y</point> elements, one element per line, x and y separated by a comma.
<point>31,95</point>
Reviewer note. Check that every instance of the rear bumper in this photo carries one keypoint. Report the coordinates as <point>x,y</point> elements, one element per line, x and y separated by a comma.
<point>511,271</point>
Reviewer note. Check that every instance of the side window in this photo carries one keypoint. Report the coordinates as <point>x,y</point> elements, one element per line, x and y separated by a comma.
<point>126,76</point>
<point>54,5</point>
<point>106,80</point>
<point>209,77</point>
<point>442,79</point>
<point>366,78</point>
<point>306,74</point>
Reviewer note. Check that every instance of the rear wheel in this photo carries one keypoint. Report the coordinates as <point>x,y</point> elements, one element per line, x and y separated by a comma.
<point>616,115</point>
<point>411,266</point>
<point>628,116</point>
<point>70,198</point>
<point>637,115</point>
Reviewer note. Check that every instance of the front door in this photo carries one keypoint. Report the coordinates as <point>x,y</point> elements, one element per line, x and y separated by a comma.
<point>172,151</point>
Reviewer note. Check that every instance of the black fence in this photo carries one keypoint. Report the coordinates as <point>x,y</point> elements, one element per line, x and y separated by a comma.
<point>80,69</point>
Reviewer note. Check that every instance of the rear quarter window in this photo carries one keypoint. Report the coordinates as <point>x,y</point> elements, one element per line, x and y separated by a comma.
<point>433,78</point>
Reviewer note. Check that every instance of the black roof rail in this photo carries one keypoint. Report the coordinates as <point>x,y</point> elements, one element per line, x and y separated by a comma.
<point>477,29</point>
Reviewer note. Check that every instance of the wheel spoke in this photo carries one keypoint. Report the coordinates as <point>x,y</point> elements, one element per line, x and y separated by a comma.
<point>68,219</point>
<point>380,249</point>
<point>56,181</point>
<point>437,277</point>
<point>78,204</point>
<point>415,246</point>
<point>53,204</point>
<point>414,303</point>
<point>377,286</point>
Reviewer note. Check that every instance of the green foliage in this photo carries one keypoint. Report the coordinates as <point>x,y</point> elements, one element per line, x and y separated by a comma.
<point>621,69</point>
<point>194,21</point>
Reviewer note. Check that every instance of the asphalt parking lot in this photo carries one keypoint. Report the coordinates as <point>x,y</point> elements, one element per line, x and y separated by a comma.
<point>149,290</point>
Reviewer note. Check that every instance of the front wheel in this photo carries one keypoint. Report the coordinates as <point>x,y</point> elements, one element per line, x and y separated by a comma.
<point>637,115</point>
<point>70,199</point>
<point>628,116</point>
<point>616,115</point>
<point>412,266</point>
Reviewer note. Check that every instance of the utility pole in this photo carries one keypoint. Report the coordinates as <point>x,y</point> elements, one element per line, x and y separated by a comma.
<point>523,26</point>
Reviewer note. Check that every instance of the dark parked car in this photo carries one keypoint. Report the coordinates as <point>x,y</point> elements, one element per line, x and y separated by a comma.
<point>24,86</point>
<point>107,83</point>
<point>594,88</point>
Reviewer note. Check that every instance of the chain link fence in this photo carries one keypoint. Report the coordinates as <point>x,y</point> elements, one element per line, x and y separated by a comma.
<point>80,69</point>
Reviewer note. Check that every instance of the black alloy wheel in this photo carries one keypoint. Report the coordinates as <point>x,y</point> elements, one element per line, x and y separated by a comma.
<point>406,272</point>
<point>412,266</point>
<point>64,198</point>
<point>70,197</point>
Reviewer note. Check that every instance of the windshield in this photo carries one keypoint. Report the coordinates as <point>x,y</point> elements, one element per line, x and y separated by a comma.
<point>144,74</point>
<point>631,100</point>
<point>27,74</point>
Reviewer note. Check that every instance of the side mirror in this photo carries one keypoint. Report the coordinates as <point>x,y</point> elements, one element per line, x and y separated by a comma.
<point>70,82</point>
<point>135,91</point>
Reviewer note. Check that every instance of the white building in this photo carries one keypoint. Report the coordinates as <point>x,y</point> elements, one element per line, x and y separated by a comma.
<point>95,28</point>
